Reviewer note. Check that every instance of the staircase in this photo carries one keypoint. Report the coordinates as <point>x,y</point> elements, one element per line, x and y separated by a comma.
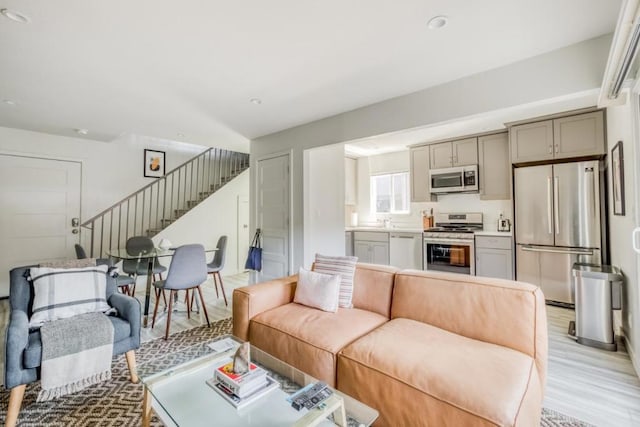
<point>155,206</point>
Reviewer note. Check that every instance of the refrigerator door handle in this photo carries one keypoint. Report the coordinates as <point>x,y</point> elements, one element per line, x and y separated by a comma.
<point>556,200</point>
<point>558,251</point>
<point>549,202</point>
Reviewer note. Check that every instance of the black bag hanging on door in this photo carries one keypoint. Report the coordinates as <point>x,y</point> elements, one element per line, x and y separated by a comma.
<point>254,257</point>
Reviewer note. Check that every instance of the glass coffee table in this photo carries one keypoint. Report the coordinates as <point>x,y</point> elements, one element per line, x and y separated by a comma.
<point>175,389</point>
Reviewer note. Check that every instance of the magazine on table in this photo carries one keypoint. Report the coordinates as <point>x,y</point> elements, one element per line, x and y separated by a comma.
<point>238,402</point>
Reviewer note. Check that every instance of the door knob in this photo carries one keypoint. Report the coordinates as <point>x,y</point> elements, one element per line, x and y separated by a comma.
<point>245,226</point>
<point>75,222</point>
<point>75,231</point>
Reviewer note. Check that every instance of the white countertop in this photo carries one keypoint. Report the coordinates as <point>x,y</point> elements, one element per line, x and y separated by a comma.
<point>494,233</point>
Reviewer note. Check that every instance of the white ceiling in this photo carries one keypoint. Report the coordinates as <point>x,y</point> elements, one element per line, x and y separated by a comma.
<point>163,68</point>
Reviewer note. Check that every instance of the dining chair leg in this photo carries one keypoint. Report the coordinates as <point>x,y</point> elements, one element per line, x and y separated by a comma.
<point>204,306</point>
<point>171,295</point>
<point>187,300</point>
<point>155,308</point>
<point>215,284</point>
<point>222,288</point>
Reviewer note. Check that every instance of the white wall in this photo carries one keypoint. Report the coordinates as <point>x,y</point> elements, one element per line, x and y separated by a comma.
<point>399,162</point>
<point>620,128</point>
<point>214,217</point>
<point>110,171</point>
<point>576,68</point>
<point>324,202</point>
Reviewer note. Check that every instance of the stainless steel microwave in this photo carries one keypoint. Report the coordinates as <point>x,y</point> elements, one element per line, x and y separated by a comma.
<point>462,179</point>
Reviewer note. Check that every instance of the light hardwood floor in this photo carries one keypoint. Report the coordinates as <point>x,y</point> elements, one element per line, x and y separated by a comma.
<point>596,386</point>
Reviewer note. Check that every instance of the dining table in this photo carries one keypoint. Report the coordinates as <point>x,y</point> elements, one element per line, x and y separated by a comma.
<point>147,257</point>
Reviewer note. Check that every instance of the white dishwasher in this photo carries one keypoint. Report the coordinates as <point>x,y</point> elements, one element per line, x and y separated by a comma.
<point>405,250</point>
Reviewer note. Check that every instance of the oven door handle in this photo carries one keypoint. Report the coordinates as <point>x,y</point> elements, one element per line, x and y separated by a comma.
<point>449,242</point>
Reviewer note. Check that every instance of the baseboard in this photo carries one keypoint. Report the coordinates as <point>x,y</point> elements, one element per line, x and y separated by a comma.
<point>632,354</point>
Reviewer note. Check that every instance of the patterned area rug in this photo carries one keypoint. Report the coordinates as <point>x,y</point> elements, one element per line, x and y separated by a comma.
<point>119,402</point>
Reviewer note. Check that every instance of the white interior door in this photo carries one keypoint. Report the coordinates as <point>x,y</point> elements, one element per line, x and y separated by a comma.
<point>243,231</point>
<point>38,200</point>
<point>272,215</point>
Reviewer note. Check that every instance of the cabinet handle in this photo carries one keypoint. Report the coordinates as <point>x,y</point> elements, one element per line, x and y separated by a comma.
<point>550,149</point>
<point>557,151</point>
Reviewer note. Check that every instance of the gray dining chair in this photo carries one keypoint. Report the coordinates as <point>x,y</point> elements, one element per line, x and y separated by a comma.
<point>215,266</point>
<point>187,271</point>
<point>80,252</point>
<point>139,267</point>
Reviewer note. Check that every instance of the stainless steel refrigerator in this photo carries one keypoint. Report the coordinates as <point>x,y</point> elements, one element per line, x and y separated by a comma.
<point>557,223</point>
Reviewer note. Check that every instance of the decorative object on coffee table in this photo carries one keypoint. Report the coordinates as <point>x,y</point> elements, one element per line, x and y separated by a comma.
<point>241,359</point>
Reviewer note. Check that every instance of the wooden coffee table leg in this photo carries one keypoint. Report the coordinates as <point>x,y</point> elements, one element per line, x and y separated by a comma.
<point>146,408</point>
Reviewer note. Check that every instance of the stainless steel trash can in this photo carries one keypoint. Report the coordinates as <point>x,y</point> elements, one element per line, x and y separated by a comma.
<point>598,292</point>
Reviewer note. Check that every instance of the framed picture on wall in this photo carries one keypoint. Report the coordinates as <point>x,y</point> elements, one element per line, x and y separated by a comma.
<point>154,163</point>
<point>617,173</point>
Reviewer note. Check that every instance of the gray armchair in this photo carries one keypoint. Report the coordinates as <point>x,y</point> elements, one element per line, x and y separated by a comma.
<point>23,347</point>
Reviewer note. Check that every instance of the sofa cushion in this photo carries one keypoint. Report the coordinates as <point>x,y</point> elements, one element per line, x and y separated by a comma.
<point>344,266</point>
<point>438,374</point>
<point>32,356</point>
<point>373,288</point>
<point>317,290</point>
<point>308,338</point>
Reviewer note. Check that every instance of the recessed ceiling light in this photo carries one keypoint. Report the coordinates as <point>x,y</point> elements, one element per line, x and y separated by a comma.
<point>180,135</point>
<point>15,16</point>
<point>437,22</point>
<point>81,131</point>
<point>255,101</point>
<point>9,102</point>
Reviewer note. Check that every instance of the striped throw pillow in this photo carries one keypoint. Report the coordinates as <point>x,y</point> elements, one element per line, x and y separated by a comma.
<point>345,266</point>
<point>65,292</point>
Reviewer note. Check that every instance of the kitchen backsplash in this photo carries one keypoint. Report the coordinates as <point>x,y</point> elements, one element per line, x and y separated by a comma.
<point>490,210</point>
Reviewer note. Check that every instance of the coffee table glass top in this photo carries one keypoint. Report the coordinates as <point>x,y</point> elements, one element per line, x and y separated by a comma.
<point>181,396</point>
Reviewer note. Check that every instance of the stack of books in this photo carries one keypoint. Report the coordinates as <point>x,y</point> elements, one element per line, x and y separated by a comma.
<point>241,389</point>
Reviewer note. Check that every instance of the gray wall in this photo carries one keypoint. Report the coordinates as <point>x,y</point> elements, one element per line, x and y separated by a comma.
<point>569,70</point>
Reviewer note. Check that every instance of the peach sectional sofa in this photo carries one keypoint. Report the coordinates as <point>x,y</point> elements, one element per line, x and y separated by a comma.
<point>422,348</point>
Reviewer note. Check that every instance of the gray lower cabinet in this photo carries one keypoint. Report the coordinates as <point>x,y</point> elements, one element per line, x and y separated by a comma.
<point>494,167</point>
<point>494,257</point>
<point>348,243</point>
<point>371,247</point>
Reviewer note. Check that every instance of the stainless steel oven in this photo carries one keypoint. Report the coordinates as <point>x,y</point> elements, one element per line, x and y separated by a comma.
<point>448,254</point>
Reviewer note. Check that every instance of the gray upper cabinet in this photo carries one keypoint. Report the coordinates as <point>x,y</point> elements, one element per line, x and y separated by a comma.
<point>454,153</point>
<point>565,137</point>
<point>581,135</point>
<point>440,155</point>
<point>465,152</point>
<point>419,174</point>
<point>494,167</point>
<point>532,141</point>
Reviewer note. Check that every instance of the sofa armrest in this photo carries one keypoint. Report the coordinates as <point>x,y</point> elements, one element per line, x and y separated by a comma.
<point>16,342</point>
<point>252,300</point>
<point>128,309</point>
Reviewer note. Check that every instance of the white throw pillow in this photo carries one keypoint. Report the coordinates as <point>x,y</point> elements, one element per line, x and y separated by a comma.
<point>318,290</point>
<point>345,266</point>
<point>65,292</point>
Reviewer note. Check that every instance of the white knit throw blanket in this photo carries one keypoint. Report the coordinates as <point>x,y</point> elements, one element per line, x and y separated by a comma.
<point>76,353</point>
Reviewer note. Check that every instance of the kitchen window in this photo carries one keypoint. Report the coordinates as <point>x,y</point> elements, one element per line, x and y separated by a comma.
<point>390,193</point>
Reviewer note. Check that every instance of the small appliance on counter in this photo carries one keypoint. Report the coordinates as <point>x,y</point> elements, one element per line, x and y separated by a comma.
<point>504,224</point>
